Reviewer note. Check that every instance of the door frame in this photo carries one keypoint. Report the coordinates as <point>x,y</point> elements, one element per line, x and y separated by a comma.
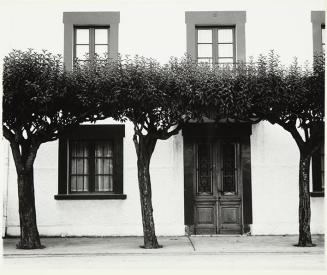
<point>238,132</point>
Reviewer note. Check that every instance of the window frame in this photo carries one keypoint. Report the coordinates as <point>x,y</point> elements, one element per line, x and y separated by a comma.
<point>91,43</point>
<point>91,133</point>
<point>74,20</point>
<point>198,19</point>
<point>323,44</point>
<point>318,173</point>
<point>215,42</point>
<point>318,23</point>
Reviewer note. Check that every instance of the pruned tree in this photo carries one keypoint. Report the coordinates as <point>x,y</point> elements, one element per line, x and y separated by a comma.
<point>151,98</point>
<point>40,100</point>
<point>294,99</point>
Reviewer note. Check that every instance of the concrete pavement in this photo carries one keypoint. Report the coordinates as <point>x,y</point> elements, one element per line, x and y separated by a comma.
<point>222,252</point>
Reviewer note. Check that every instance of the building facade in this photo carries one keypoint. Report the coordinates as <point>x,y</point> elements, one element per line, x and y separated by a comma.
<point>208,179</point>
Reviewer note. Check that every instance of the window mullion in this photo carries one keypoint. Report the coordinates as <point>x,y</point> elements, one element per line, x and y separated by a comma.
<point>215,45</point>
<point>234,45</point>
<point>92,43</point>
<point>108,42</point>
<point>91,146</point>
<point>74,48</point>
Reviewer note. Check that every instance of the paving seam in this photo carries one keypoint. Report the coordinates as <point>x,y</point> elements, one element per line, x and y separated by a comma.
<point>191,242</point>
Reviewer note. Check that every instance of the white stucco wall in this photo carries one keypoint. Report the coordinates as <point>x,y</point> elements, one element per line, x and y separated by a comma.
<point>106,217</point>
<point>157,29</point>
<point>275,195</point>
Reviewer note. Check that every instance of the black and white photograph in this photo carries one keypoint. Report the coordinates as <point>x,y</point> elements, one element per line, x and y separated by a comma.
<point>160,135</point>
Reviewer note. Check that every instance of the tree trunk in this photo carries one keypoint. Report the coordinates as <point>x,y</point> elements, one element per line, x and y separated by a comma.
<point>304,201</point>
<point>144,149</point>
<point>29,235</point>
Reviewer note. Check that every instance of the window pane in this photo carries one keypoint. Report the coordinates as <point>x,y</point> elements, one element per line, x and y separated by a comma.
<point>82,36</point>
<point>80,183</point>
<point>101,36</point>
<point>225,35</point>
<point>99,183</point>
<point>73,183</point>
<point>225,60</point>
<point>79,178</point>
<point>204,168</point>
<point>229,168</point>
<point>82,52</point>
<point>205,50</point>
<point>73,166</point>
<point>98,166</point>
<point>80,166</point>
<point>103,149</point>
<point>106,186</point>
<point>323,35</point>
<point>204,36</point>
<point>98,149</point>
<point>107,150</point>
<point>86,166</point>
<point>225,50</point>
<point>205,60</point>
<point>106,166</point>
<point>78,149</point>
<point>111,167</point>
<point>101,51</point>
<point>86,183</point>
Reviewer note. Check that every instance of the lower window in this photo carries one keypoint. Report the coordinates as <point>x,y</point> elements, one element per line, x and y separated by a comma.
<point>91,163</point>
<point>318,172</point>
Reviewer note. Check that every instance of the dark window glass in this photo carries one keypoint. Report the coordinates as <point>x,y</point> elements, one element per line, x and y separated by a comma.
<point>91,166</point>
<point>204,168</point>
<point>229,168</point>
<point>318,170</point>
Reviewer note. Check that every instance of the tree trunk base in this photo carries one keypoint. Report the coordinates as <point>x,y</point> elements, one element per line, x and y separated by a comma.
<point>151,247</point>
<point>29,246</point>
<point>305,245</point>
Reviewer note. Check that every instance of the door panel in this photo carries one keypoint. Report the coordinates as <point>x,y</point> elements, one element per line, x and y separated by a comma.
<point>217,187</point>
<point>230,217</point>
<point>205,216</point>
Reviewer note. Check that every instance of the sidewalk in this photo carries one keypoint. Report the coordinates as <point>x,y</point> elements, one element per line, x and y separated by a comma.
<point>171,245</point>
<point>194,252</point>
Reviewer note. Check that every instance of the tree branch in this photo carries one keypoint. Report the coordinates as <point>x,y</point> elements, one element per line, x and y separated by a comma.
<point>164,135</point>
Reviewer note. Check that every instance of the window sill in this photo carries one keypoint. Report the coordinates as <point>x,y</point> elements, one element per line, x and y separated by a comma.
<point>90,197</point>
<point>317,194</point>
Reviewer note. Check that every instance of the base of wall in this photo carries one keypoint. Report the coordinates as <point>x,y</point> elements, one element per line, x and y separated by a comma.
<point>98,231</point>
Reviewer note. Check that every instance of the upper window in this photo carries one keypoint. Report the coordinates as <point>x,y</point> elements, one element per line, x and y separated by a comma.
<point>91,162</point>
<point>318,37</point>
<point>91,43</point>
<point>318,31</point>
<point>217,37</point>
<point>90,35</point>
<point>216,45</point>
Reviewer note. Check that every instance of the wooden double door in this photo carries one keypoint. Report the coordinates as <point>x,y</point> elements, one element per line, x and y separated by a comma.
<point>217,187</point>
